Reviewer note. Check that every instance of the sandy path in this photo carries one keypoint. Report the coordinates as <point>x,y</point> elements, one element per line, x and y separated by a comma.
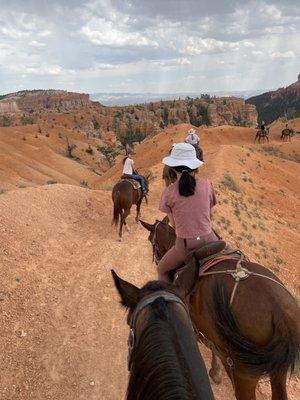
<point>62,332</point>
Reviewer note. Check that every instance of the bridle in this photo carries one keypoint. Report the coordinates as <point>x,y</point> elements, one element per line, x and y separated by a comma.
<point>156,254</point>
<point>168,297</point>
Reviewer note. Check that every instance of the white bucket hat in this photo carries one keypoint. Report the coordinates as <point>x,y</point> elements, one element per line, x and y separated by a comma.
<point>183,154</point>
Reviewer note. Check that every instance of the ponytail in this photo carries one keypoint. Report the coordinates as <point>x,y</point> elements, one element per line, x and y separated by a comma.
<point>187,182</point>
<point>124,159</point>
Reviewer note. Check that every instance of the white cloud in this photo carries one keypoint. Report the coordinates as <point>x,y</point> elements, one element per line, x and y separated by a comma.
<point>248,44</point>
<point>286,54</point>
<point>35,43</point>
<point>196,45</point>
<point>108,33</point>
<point>271,11</point>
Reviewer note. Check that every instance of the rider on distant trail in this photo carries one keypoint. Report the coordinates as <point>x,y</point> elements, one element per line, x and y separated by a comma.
<point>263,126</point>
<point>193,139</point>
<point>188,203</point>
<point>129,172</point>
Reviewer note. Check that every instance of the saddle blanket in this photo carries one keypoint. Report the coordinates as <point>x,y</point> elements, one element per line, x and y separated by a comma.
<point>134,183</point>
<point>210,263</point>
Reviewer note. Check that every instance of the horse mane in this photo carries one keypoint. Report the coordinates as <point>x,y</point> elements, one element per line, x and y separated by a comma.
<point>162,361</point>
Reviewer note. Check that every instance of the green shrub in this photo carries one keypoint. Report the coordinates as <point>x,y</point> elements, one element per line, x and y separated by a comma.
<point>109,153</point>
<point>89,150</point>
<point>230,183</point>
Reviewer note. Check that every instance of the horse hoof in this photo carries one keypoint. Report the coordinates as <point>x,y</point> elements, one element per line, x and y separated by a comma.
<point>120,239</point>
<point>127,228</point>
<point>216,376</point>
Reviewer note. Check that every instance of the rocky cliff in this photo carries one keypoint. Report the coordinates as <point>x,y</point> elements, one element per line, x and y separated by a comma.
<point>136,122</point>
<point>284,102</point>
<point>37,100</point>
<point>148,119</point>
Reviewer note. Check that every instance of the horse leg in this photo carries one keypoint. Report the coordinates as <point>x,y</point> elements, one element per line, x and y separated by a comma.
<point>138,209</point>
<point>278,385</point>
<point>215,370</point>
<point>245,387</point>
<point>124,215</point>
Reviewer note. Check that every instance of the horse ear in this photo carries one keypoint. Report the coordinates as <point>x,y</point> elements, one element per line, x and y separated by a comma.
<point>187,277</point>
<point>149,227</point>
<point>128,292</point>
<point>166,220</point>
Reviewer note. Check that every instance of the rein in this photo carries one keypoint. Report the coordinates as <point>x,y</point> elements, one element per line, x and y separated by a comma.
<point>168,297</point>
<point>156,255</point>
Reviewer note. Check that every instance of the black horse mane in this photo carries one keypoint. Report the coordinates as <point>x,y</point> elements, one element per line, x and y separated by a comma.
<point>160,369</point>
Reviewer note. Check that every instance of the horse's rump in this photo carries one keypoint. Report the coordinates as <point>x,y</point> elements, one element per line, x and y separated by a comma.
<point>273,357</point>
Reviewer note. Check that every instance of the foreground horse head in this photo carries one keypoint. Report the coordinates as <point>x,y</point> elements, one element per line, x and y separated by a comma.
<point>256,335</point>
<point>164,360</point>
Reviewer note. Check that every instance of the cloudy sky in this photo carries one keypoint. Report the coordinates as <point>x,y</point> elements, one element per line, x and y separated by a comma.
<point>148,45</point>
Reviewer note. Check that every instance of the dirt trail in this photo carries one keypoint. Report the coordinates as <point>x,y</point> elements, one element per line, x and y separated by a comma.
<point>62,332</point>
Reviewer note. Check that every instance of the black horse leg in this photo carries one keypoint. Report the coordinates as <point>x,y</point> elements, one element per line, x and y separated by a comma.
<point>138,209</point>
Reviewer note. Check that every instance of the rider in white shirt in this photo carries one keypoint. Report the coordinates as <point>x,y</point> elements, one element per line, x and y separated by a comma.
<point>130,173</point>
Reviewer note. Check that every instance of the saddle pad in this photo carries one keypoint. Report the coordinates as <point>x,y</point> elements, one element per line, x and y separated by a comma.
<point>210,263</point>
<point>134,183</point>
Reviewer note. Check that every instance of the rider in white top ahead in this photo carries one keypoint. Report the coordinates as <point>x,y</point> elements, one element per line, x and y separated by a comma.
<point>192,138</point>
<point>129,172</point>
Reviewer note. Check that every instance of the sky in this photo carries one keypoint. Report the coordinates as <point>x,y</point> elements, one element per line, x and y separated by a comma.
<point>158,46</point>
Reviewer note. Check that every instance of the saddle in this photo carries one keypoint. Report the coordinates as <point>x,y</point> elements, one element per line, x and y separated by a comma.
<point>208,256</point>
<point>135,184</point>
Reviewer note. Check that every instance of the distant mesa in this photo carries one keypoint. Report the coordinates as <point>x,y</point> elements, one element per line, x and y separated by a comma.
<point>283,102</point>
<point>37,100</point>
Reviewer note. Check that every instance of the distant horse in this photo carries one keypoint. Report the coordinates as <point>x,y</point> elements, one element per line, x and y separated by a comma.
<point>163,357</point>
<point>253,326</point>
<point>124,195</point>
<point>264,135</point>
<point>287,134</point>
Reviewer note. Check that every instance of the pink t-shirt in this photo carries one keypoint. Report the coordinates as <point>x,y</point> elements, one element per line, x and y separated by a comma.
<point>191,214</point>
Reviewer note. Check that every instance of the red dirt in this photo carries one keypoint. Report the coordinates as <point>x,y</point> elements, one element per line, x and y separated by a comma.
<point>63,333</point>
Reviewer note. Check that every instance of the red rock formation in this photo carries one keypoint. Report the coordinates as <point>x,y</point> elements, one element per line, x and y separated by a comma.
<point>37,100</point>
<point>283,102</point>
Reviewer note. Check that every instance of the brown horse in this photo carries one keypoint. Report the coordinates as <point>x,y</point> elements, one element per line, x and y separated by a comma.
<point>257,335</point>
<point>287,134</point>
<point>124,195</point>
<point>163,357</point>
<point>264,135</point>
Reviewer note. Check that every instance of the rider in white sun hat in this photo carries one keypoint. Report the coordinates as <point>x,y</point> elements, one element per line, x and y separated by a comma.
<point>188,203</point>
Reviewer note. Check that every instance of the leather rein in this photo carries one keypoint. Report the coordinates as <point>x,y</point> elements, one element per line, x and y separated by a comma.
<point>156,254</point>
<point>168,297</point>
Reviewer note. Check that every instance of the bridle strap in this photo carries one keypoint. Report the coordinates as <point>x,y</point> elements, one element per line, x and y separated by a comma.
<point>167,296</point>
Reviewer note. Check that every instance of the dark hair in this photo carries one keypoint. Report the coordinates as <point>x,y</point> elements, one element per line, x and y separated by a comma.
<point>124,159</point>
<point>187,182</point>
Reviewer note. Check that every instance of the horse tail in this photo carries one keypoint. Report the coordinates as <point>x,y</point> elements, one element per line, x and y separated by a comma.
<point>117,207</point>
<point>274,358</point>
